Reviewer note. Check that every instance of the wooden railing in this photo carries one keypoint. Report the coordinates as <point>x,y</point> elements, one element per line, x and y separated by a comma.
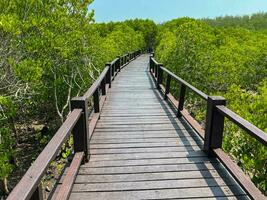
<point>77,123</point>
<point>214,125</point>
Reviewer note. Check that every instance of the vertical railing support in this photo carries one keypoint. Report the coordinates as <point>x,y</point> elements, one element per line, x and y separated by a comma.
<point>156,70</point>
<point>81,129</point>
<point>159,75</point>
<point>214,124</point>
<point>108,75</point>
<point>119,63</point>
<point>38,193</point>
<point>150,63</point>
<point>103,86</point>
<point>181,100</point>
<point>168,85</point>
<point>96,101</point>
<point>112,69</point>
<point>153,68</point>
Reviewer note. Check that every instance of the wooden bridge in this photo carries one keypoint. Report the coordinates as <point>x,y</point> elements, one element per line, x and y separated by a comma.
<point>140,143</point>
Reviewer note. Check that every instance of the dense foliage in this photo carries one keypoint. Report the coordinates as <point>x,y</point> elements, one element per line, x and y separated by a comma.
<point>254,22</point>
<point>230,61</point>
<point>51,51</point>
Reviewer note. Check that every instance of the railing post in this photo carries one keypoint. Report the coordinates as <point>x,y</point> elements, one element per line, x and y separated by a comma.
<point>81,129</point>
<point>214,124</point>
<point>109,75</point>
<point>119,63</point>
<point>38,193</point>
<point>112,69</point>
<point>168,85</point>
<point>150,63</point>
<point>181,100</point>
<point>153,68</point>
<point>160,74</point>
<point>96,101</point>
<point>103,86</point>
<point>156,70</point>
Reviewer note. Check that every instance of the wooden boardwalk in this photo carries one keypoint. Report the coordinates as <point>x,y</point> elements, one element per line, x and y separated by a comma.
<point>141,150</point>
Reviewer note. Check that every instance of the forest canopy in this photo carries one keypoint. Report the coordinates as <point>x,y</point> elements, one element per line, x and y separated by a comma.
<point>51,51</point>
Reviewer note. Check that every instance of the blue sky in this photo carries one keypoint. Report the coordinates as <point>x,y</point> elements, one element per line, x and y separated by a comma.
<point>164,10</point>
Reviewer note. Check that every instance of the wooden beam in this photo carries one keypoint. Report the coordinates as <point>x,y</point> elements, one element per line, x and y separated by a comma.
<point>66,187</point>
<point>239,175</point>
<point>30,181</point>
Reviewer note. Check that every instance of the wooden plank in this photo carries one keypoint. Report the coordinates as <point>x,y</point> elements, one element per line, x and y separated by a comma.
<point>138,140</point>
<point>131,118</point>
<point>148,176</point>
<point>113,122</point>
<point>142,150</point>
<point>150,185</point>
<point>137,162</point>
<point>143,144</point>
<point>68,181</point>
<point>182,132</point>
<point>105,135</point>
<point>174,165</point>
<point>180,193</point>
<point>135,114</point>
<point>152,155</point>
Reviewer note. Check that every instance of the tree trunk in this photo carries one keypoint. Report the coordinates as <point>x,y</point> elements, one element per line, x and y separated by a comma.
<point>3,186</point>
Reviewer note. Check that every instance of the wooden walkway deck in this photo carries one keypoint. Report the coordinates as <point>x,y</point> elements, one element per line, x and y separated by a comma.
<point>141,150</point>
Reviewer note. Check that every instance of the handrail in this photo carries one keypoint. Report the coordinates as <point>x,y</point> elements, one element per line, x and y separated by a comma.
<point>214,126</point>
<point>197,91</point>
<point>96,84</point>
<point>254,131</point>
<point>77,122</point>
<point>30,181</point>
<point>194,89</point>
<point>114,61</point>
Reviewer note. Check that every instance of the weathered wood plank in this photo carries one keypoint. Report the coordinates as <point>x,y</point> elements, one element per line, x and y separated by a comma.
<point>161,194</point>
<point>178,133</point>
<point>148,176</point>
<point>152,155</point>
<point>142,140</point>
<point>68,181</point>
<point>139,150</point>
<point>148,185</point>
<point>185,165</point>
<point>105,135</point>
<point>162,161</point>
<point>187,144</point>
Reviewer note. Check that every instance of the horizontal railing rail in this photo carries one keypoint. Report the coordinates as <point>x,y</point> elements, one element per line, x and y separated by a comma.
<point>254,131</point>
<point>77,123</point>
<point>31,180</point>
<point>195,90</point>
<point>214,124</point>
